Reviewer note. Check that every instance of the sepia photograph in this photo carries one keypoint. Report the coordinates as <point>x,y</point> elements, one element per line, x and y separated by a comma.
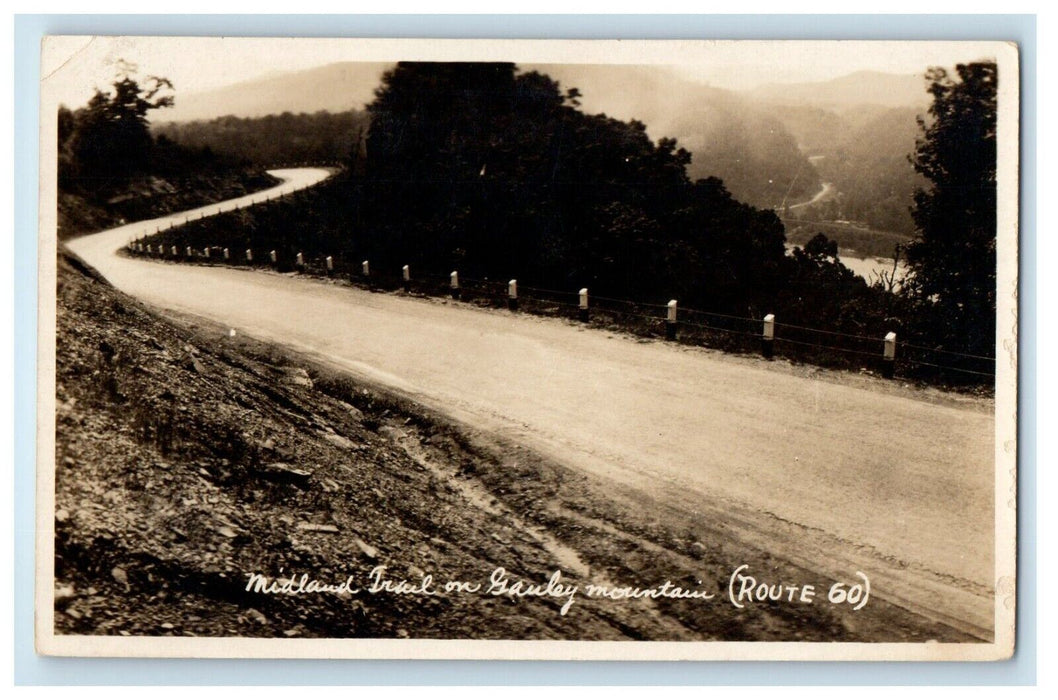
<point>527,349</point>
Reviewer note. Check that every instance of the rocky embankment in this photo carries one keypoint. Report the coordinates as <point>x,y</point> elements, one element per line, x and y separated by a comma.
<point>146,197</point>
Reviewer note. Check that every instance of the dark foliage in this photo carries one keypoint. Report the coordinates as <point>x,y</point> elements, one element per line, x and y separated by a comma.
<point>953,260</point>
<point>110,137</point>
<point>478,167</point>
<point>111,169</point>
<point>277,139</point>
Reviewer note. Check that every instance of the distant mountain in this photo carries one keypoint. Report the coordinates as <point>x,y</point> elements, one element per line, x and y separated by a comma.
<point>864,152</point>
<point>859,130</point>
<point>729,137</point>
<point>338,87</point>
<point>748,149</point>
<point>859,88</point>
<point>759,142</point>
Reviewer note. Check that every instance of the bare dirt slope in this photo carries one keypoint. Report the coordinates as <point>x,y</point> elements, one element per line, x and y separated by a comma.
<point>187,459</point>
<point>830,471</point>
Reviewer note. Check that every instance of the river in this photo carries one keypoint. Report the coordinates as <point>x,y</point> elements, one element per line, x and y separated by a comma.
<point>869,268</point>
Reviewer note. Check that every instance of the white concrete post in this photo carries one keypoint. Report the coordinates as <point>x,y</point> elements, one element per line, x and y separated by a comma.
<point>205,251</point>
<point>174,251</point>
<point>249,255</point>
<point>584,304</point>
<point>406,276</point>
<point>670,320</point>
<point>330,264</point>
<point>453,281</point>
<point>300,259</point>
<point>272,255</point>
<point>189,251</point>
<point>365,267</point>
<point>889,355</point>
<point>890,346</point>
<point>512,295</point>
<point>767,338</point>
<point>227,254</point>
<point>149,251</point>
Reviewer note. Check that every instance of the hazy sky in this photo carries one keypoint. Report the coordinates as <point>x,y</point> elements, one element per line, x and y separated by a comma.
<point>74,66</point>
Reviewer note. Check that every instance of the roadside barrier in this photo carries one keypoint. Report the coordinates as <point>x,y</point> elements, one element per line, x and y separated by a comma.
<point>880,352</point>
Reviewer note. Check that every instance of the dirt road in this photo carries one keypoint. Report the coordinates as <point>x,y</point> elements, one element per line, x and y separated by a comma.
<point>835,472</point>
<point>823,192</point>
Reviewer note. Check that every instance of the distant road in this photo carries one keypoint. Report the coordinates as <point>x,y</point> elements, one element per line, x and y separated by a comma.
<point>823,192</point>
<point>833,471</point>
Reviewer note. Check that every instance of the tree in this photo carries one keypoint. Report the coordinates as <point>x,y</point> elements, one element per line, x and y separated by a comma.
<point>953,259</point>
<point>499,173</point>
<point>110,138</point>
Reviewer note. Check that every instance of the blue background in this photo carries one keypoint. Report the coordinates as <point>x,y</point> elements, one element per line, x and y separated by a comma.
<point>33,669</point>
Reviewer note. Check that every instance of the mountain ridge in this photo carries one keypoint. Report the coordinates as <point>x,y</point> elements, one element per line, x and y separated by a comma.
<point>335,87</point>
<point>757,141</point>
<point>350,85</point>
<point>863,87</point>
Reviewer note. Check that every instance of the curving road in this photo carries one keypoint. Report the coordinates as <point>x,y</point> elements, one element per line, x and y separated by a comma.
<point>823,192</point>
<point>835,472</point>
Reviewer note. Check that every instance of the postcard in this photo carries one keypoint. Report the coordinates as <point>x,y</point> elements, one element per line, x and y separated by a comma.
<point>476,349</point>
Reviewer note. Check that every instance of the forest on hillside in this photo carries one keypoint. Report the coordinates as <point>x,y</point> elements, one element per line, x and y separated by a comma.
<point>274,140</point>
<point>111,169</point>
<point>864,152</point>
<point>732,138</point>
<point>729,138</point>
